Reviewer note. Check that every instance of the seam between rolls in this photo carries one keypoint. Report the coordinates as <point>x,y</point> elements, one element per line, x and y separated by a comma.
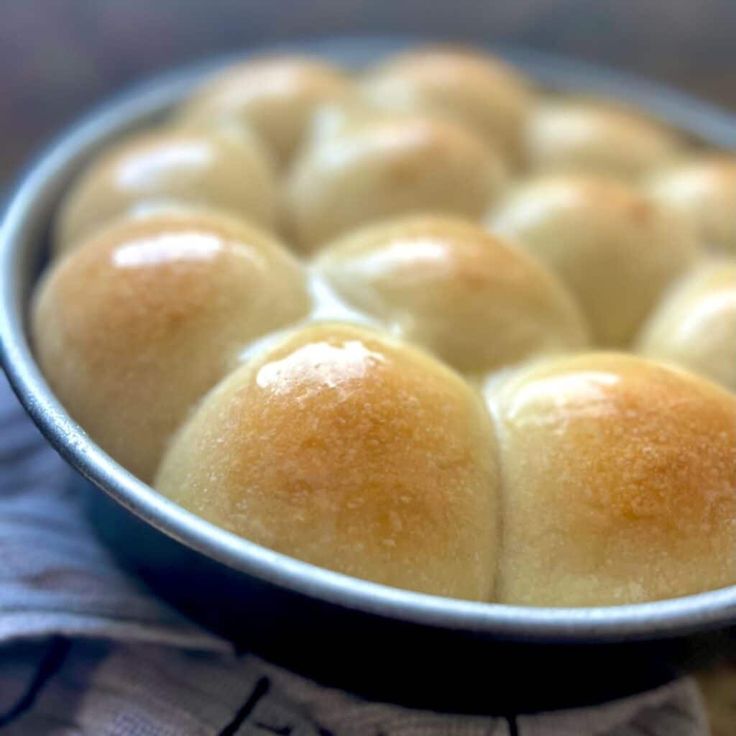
<point>501,495</point>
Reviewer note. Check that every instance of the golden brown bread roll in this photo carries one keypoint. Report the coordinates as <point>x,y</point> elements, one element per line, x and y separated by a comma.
<point>695,325</point>
<point>619,482</point>
<point>386,167</point>
<point>456,290</point>
<point>220,168</point>
<point>136,324</point>
<point>472,88</point>
<point>349,450</point>
<point>276,96</point>
<point>704,191</point>
<point>614,249</point>
<point>583,135</point>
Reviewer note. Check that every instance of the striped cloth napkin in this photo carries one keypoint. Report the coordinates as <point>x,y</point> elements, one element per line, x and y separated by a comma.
<point>86,650</point>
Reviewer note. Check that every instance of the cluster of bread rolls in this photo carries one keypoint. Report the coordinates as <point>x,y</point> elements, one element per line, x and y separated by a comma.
<point>423,324</point>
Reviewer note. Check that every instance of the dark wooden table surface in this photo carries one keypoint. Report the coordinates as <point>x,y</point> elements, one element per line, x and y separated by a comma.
<point>57,57</point>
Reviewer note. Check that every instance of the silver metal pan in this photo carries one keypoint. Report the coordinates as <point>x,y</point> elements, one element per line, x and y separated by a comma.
<point>385,643</point>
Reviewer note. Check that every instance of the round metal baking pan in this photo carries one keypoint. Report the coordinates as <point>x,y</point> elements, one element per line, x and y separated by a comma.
<point>392,644</point>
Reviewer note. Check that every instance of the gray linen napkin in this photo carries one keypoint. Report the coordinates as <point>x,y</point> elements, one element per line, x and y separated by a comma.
<point>86,650</point>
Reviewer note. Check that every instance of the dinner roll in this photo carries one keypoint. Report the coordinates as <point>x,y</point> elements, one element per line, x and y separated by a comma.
<point>220,168</point>
<point>615,250</point>
<point>619,482</point>
<point>472,88</point>
<point>274,95</point>
<point>704,191</point>
<point>695,325</point>
<point>136,324</point>
<point>386,167</point>
<point>456,290</point>
<point>571,135</point>
<point>349,450</point>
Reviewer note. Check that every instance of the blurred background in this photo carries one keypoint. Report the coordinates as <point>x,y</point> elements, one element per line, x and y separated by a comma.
<point>58,57</point>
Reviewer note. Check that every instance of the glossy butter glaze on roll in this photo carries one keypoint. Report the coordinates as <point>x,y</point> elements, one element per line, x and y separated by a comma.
<point>276,96</point>
<point>695,325</point>
<point>349,450</point>
<point>474,89</point>
<point>137,323</point>
<point>386,167</point>
<point>704,191</point>
<point>220,168</point>
<point>619,482</point>
<point>445,284</point>
<point>569,135</point>
<point>614,249</point>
